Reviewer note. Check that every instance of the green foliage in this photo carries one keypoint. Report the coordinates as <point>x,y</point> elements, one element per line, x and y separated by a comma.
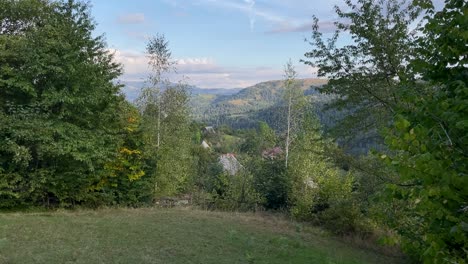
<point>174,164</point>
<point>236,193</point>
<point>125,182</point>
<point>207,169</point>
<point>365,75</point>
<point>217,189</point>
<point>259,140</point>
<point>430,141</point>
<point>321,192</point>
<point>168,140</point>
<point>59,105</point>
<point>166,125</point>
<point>417,80</point>
<point>272,182</point>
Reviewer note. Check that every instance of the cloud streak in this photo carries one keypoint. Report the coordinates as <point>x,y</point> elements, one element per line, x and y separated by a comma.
<point>251,5</point>
<point>249,8</point>
<point>324,26</point>
<point>263,10</point>
<point>134,18</point>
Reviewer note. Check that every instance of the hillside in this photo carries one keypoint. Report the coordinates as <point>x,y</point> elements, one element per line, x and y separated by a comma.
<point>178,235</point>
<point>239,108</point>
<point>132,89</point>
<point>245,108</point>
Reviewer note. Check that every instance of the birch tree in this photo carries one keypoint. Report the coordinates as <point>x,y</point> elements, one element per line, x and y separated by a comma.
<point>161,65</point>
<point>166,120</point>
<point>295,101</point>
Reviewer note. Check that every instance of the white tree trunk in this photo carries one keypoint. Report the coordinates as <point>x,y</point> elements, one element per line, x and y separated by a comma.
<point>288,131</point>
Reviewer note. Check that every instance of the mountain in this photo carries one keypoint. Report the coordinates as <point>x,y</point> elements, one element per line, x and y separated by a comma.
<point>250,105</point>
<point>240,108</point>
<point>244,108</point>
<point>132,89</point>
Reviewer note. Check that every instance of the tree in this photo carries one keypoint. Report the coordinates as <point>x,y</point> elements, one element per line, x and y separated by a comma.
<point>256,141</point>
<point>320,191</point>
<point>295,101</point>
<point>174,165</point>
<point>59,105</point>
<point>166,122</point>
<point>414,85</point>
<point>161,64</point>
<point>430,142</point>
<point>366,76</point>
<point>125,182</point>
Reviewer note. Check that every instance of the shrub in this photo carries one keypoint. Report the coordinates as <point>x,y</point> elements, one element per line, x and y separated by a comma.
<point>272,183</point>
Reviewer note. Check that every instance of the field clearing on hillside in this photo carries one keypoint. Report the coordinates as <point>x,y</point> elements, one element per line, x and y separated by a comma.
<point>179,235</point>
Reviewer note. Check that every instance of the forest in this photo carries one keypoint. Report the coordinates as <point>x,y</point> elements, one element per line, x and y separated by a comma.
<point>375,147</point>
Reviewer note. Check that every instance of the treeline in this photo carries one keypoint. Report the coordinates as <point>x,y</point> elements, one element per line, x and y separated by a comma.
<point>405,76</point>
<point>67,135</point>
<point>403,84</point>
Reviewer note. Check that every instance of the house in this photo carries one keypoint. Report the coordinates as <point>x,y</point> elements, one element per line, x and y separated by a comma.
<point>205,145</point>
<point>229,163</point>
<point>272,153</point>
<point>209,130</point>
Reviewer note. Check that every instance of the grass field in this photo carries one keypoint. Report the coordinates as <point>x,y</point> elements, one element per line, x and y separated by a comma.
<point>178,235</point>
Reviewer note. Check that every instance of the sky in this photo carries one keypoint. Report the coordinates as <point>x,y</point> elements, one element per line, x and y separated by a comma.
<point>217,43</point>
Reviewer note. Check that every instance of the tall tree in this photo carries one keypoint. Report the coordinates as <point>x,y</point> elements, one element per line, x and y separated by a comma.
<point>295,101</point>
<point>320,191</point>
<point>166,121</point>
<point>430,143</point>
<point>58,103</point>
<point>174,157</point>
<point>417,80</point>
<point>365,76</point>
<point>161,64</point>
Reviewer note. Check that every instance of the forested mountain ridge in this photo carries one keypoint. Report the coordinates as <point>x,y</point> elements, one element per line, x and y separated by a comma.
<point>245,108</point>
<point>231,106</point>
<point>132,90</point>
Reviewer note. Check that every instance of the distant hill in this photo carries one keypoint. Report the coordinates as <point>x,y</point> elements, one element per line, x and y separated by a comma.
<point>244,108</point>
<point>250,105</point>
<point>132,89</point>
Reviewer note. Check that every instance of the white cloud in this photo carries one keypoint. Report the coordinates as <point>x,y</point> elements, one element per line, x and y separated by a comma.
<point>204,72</point>
<point>195,61</point>
<point>137,35</point>
<point>134,63</point>
<point>134,18</point>
<point>324,26</point>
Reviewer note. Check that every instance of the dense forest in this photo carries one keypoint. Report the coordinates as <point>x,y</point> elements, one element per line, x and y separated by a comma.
<point>377,146</point>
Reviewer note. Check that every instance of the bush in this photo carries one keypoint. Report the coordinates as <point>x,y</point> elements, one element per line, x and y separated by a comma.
<point>330,202</point>
<point>231,193</point>
<point>272,183</point>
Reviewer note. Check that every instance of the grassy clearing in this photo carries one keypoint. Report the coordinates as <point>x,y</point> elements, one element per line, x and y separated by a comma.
<point>155,235</point>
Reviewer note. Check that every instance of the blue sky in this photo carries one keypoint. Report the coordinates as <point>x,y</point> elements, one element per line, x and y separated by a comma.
<point>218,43</point>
